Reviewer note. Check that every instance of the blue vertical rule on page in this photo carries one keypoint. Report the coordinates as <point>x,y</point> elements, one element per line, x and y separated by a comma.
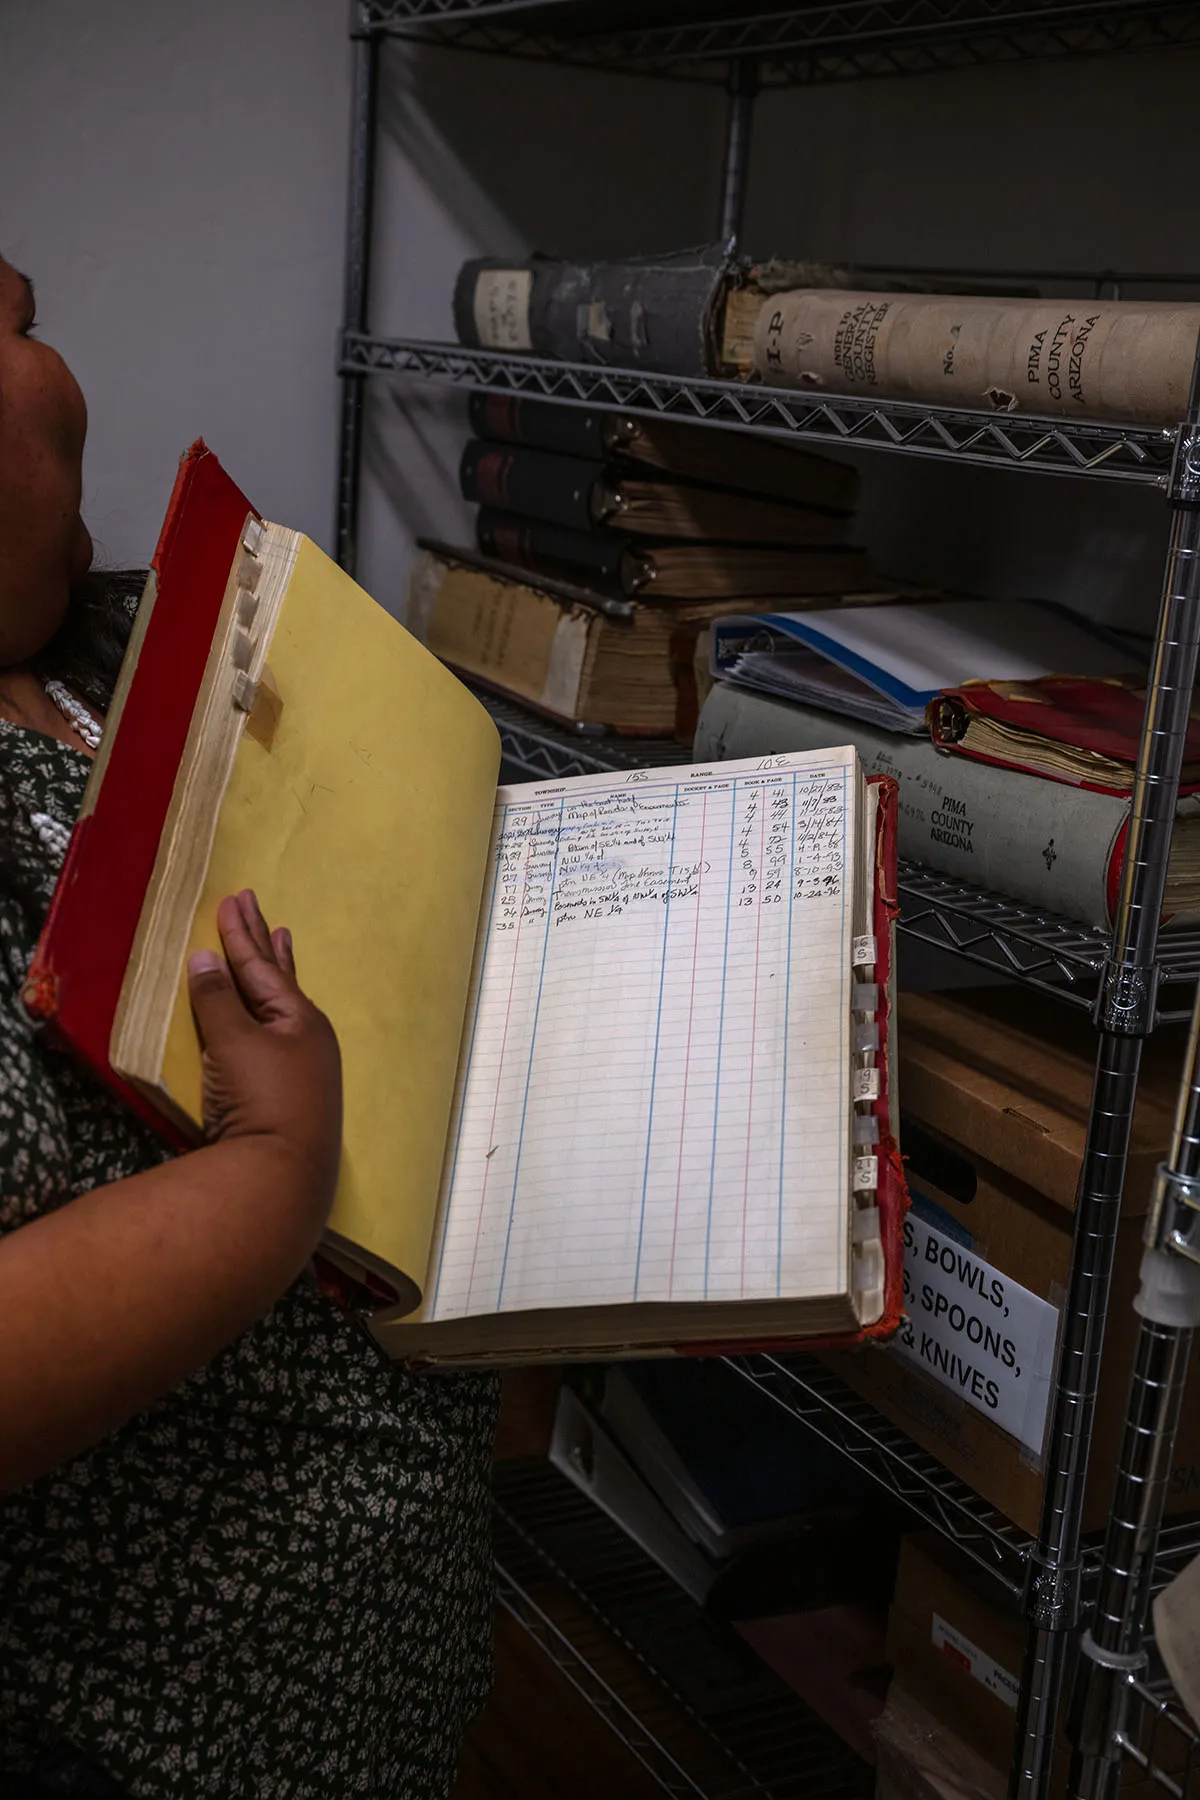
<point>653,1100</point>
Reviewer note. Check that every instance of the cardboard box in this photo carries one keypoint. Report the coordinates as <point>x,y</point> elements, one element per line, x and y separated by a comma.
<point>835,1658</point>
<point>956,1643</point>
<point>918,1758</point>
<point>955,1648</point>
<point>994,1096</point>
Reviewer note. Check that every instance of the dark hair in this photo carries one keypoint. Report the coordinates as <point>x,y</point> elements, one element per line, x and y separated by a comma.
<point>87,648</point>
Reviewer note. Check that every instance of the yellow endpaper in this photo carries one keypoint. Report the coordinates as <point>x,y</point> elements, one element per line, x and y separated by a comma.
<point>365,828</point>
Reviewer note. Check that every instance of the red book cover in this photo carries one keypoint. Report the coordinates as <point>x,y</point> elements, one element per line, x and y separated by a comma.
<point>74,981</point>
<point>1102,718</point>
<point>892,1197</point>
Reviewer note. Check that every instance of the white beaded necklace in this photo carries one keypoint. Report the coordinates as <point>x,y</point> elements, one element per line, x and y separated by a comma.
<point>75,713</point>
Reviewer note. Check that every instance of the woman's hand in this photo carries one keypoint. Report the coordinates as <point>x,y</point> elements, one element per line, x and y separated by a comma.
<point>271,1063</point>
<point>109,1302</point>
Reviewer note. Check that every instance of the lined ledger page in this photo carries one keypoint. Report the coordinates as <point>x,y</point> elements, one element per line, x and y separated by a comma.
<point>653,1097</point>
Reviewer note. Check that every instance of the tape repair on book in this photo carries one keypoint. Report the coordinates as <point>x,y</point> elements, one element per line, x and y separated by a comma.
<point>264,710</point>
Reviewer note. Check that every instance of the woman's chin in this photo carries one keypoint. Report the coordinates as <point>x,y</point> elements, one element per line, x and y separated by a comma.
<point>81,551</point>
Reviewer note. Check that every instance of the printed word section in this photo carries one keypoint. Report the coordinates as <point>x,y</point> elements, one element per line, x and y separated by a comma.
<point>984,1668</point>
<point>678,944</point>
<point>974,1330</point>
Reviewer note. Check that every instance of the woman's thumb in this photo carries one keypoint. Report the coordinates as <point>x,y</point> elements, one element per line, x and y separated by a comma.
<point>216,1003</point>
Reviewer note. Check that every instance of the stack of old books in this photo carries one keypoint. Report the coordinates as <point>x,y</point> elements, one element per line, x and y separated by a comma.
<point>605,546</point>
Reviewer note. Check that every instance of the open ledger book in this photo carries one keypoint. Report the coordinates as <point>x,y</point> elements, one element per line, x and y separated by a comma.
<point>615,1048</point>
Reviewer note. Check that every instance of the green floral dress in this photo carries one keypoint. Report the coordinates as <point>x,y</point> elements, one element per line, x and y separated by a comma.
<point>277,1581</point>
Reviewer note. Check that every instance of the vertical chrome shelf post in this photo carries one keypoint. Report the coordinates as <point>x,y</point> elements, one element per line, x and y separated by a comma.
<point>356,297</point>
<point>742,88</point>
<point>1113,1650</point>
<point>1125,1013</point>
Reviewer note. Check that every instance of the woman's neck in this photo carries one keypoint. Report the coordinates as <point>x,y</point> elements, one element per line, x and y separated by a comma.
<point>24,701</point>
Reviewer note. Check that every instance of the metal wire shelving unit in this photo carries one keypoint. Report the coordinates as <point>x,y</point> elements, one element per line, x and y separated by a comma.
<point>698,1710</point>
<point>1130,980</point>
<point>1158,1739</point>
<point>790,45</point>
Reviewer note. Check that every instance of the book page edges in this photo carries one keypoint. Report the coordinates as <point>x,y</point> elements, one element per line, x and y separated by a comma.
<point>891,1194</point>
<point>254,592</point>
<point>865,1250</point>
<point>129,663</point>
<point>636,1328</point>
<point>378,780</point>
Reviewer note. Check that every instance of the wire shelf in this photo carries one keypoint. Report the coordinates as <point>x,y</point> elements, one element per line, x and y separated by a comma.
<point>1178,1543</point>
<point>1161,1740</point>
<point>703,1715</point>
<point>813,1394</point>
<point>536,749</point>
<point>801,45</point>
<point>1039,949</point>
<point>1128,453</point>
<point>809,1392</point>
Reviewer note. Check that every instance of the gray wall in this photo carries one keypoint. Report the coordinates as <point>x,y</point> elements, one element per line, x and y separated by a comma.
<point>172,176</point>
<point>174,181</point>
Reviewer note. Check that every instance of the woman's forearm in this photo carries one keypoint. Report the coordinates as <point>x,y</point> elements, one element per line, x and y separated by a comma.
<point>112,1300</point>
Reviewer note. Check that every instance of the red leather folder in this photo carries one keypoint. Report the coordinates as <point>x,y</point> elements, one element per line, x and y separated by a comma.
<point>1099,718</point>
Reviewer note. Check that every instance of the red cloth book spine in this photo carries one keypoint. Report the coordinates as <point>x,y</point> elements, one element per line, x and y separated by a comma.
<point>74,981</point>
<point>892,1197</point>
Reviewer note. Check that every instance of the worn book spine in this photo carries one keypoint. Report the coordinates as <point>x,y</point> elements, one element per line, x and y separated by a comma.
<point>1052,846</point>
<point>525,642</point>
<point>566,490</point>
<point>74,981</point>
<point>541,424</point>
<point>562,490</point>
<point>675,569</point>
<point>620,664</point>
<point>555,549</point>
<point>663,313</point>
<point>727,459</point>
<point>650,507</point>
<point>1093,359</point>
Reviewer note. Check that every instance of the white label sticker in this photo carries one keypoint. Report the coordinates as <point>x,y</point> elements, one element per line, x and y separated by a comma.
<point>502,308</point>
<point>975,1661</point>
<point>866,1174</point>
<point>971,1328</point>
<point>866,1084</point>
<point>560,690</point>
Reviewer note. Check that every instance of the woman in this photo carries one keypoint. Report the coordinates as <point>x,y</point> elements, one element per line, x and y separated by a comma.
<point>240,1556</point>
